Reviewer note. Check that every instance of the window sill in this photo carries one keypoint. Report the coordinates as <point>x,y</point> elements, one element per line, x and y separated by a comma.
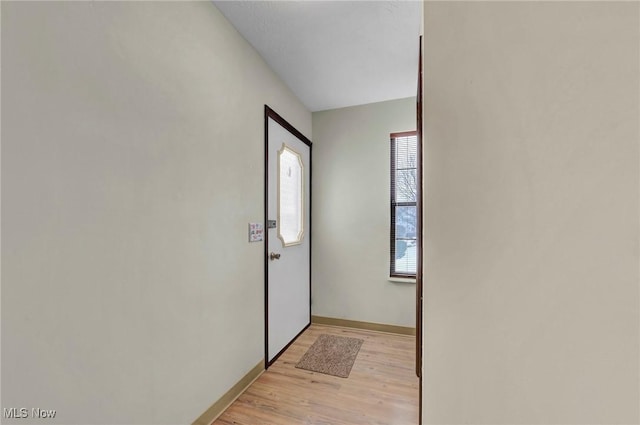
<point>402,279</point>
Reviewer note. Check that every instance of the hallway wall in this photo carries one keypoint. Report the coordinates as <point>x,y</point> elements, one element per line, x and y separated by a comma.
<point>351,214</point>
<point>531,127</point>
<point>132,161</point>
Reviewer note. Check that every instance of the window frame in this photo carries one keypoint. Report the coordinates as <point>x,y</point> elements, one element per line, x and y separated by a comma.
<point>299,239</point>
<point>394,204</point>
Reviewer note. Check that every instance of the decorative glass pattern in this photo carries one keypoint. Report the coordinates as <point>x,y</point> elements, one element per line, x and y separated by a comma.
<point>290,197</point>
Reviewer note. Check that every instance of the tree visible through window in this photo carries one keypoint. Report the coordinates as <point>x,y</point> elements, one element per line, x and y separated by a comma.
<point>404,192</point>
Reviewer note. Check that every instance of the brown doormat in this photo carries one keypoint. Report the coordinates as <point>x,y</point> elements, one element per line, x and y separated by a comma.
<point>331,355</point>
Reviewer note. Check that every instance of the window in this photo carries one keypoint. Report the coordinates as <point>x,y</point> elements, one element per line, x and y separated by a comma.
<point>290,197</point>
<point>404,191</point>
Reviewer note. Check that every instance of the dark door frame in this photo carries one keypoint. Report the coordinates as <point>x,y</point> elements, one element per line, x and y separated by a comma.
<point>270,113</point>
<point>419,268</point>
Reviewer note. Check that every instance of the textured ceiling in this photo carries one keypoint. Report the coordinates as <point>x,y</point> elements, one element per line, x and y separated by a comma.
<point>333,54</point>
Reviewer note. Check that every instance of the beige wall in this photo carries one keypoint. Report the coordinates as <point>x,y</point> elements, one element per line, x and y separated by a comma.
<point>351,214</point>
<point>532,234</point>
<point>132,160</point>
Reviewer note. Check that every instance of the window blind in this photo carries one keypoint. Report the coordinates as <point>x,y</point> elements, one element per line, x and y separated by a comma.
<point>404,192</point>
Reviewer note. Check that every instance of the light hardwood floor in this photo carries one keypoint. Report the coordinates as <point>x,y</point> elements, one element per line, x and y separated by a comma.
<point>381,389</point>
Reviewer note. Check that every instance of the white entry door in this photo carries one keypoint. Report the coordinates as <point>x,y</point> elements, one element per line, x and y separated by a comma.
<point>288,234</point>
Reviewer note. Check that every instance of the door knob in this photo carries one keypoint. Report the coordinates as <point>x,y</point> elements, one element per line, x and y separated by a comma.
<point>274,256</point>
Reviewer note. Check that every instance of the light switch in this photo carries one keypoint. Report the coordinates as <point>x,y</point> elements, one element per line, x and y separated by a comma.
<point>256,232</point>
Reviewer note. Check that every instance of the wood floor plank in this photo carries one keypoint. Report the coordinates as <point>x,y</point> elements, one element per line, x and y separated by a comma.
<point>382,388</point>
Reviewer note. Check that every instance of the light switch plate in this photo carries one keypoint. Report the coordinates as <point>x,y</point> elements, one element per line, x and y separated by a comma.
<point>256,232</point>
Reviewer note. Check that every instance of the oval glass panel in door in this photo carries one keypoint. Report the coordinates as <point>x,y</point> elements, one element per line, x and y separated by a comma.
<point>290,196</point>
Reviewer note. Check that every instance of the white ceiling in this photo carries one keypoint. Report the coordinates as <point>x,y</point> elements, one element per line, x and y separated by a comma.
<point>333,54</point>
